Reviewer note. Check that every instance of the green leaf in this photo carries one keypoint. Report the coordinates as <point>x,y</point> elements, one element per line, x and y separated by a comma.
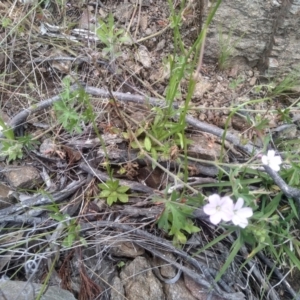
<point>103,186</point>
<point>163,221</point>
<point>83,241</point>
<point>123,189</point>
<point>139,131</point>
<point>154,156</point>
<point>121,264</point>
<point>235,249</point>
<point>215,241</point>
<point>119,32</point>
<point>292,256</point>
<point>294,209</point>
<point>12,149</point>
<point>190,228</point>
<point>57,217</point>
<point>126,39</point>
<point>272,206</point>
<point>180,237</point>
<point>113,184</point>
<point>123,197</point>
<point>111,199</point>
<point>181,140</point>
<point>68,241</point>
<point>147,143</point>
<point>105,193</point>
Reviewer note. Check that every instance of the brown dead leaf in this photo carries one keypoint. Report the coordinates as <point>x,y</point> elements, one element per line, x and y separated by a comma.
<point>72,156</point>
<point>152,178</point>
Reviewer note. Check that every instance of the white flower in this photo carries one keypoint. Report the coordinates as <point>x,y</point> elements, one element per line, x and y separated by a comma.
<point>241,213</point>
<point>272,160</point>
<point>219,208</point>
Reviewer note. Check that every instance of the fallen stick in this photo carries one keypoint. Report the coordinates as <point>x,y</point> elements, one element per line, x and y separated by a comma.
<point>21,117</point>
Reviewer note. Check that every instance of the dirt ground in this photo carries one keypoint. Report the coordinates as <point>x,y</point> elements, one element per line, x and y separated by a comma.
<point>46,43</point>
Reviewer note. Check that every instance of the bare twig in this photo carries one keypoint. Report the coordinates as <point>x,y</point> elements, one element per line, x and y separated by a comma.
<point>286,189</point>
<point>205,127</point>
<point>103,176</point>
<point>43,199</point>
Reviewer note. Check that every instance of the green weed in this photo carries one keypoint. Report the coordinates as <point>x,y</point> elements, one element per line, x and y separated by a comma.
<point>12,147</point>
<point>111,37</point>
<point>175,218</point>
<point>113,191</point>
<point>67,108</point>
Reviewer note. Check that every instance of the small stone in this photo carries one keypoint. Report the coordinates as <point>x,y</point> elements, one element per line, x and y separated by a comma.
<point>250,73</point>
<point>204,147</point>
<point>179,291</point>
<point>143,56</point>
<point>127,249</point>
<point>160,45</point>
<point>166,270</point>
<point>148,31</point>
<point>273,63</point>
<point>139,281</point>
<point>24,177</point>
<point>21,290</point>
<point>117,291</point>
<point>252,81</point>
<point>5,199</point>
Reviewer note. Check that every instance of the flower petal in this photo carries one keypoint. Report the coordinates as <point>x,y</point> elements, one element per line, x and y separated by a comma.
<point>277,160</point>
<point>209,209</point>
<point>226,215</point>
<point>239,204</point>
<point>215,219</point>
<point>245,212</point>
<point>265,160</point>
<point>214,199</point>
<point>271,154</point>
<point>274,166</point>
<point>226,202</point>
<point>236,220</point>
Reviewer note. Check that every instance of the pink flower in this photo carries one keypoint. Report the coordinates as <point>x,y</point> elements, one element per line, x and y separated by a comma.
<point>241,213</point>
<point>219,209</point>
<point>272,160</point>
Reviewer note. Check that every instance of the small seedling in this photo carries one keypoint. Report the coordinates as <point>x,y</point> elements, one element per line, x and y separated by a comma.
<point>71,225</point>
<point>12,147</point>
<point>67,112</point>
<point>111,37</point>
<point>113,191</point>
<point>175,219</point>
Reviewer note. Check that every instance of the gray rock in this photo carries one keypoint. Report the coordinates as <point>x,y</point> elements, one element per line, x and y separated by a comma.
<point>177,291</point>
<point>263,33</point>
<point>139,282</point>
<point>117,291</point>
<point>24,177</point>
<point>204,147</point>
<point>165,269</point>
<point>20,290</point>
<point>5,199</point>
<point>126,249</point>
